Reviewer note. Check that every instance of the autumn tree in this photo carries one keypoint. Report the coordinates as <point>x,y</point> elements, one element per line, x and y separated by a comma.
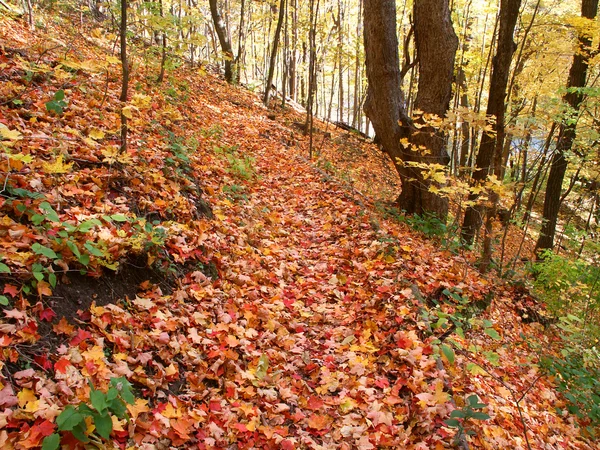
<point>274,53</point>
<point>489,157</point>
<point>125,73</point>
<point>573,99</point>
<point>224,40</point>
<point>412,143</point>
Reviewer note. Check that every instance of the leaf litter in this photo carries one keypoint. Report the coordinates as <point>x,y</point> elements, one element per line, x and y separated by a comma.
<point>285,316</point>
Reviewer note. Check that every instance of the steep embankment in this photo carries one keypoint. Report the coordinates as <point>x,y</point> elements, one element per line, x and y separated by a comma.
<point>258,302</point>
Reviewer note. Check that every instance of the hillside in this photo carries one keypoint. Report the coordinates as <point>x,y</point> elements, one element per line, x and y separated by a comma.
<point>237,294</point>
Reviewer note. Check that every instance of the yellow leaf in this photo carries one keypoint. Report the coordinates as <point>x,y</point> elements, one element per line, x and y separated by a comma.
<point>26,396</point>
<point>440,396</point>
<point>57,166</point>
<point>140,406</point>
<point>347,405</point>
<point>141,101</point>
<point>11,135</point>
<point>232,341</point>
<point>94,354</point>
<point>170,412</point>
<point>171,370</point>
<point>32,407</point>
<point>113,59</point>
<point>475,369</point>
<point>128,111</point>
<point>96,134</point>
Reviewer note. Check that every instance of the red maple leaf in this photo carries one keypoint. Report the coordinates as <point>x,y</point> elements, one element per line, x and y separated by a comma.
<point>61,365</point>
<point>81,336</point>
<point>11,290</point>
<point>314,403</point>
<point>46,428</point>
<point>47,314</point>
<point>43,362</point>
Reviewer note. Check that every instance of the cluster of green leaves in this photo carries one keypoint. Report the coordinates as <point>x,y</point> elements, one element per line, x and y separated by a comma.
<point>570,289</point>
<point>65,236</point>
<point>577,371</point>
<point>181,149</point>
<point>429,225</point>
<point>102,406</point>
<point>567,285</point>
<point>58,103</point>
<point>240,166</point>
<point>456,313</point>
<point>235,192</point>
<point>459,418</point>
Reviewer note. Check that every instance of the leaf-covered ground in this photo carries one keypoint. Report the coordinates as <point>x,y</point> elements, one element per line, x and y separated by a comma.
<point>258,301</point>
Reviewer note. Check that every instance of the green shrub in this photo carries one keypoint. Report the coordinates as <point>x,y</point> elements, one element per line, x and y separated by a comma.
<point>567,286</point>
<point>100,409</point>
<point>577,371</point>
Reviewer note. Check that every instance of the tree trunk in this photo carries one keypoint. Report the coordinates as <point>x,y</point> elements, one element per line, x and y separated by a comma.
<point>223,39</point>
<point>436,45</point>
<point>357,66</point>
<point>125,74</point>
<point>312,71</point>
<point>293,75</point>
<point>566,134</point>
<point>340,38</point>
<point>491,142</point>
<point>241,42</point>
<point>274,53</point>
<point>163,58</point>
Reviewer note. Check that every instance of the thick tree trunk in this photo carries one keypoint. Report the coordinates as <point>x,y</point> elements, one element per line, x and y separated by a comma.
<point>566,134</point>
<point>223,39</point>
<point>384,105</point>
<point>491,142</point>
<point>436,44</point>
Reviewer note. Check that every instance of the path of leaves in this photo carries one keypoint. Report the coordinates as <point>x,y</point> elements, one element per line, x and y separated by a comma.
<point>310,335</point>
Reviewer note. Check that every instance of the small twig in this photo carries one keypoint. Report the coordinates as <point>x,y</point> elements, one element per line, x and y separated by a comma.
<point>7,173</point>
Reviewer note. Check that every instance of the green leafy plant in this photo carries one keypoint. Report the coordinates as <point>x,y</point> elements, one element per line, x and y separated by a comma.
<point>235,192</point>
<point>215,132</point>
<point>100,409</point>
<point>460,418</point>
<point>58,103</point>
<point>241,166</point>
<point>567,285</point>
<point>577,371</point>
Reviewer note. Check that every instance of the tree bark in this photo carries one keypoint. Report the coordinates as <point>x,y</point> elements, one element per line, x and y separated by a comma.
<point>125,73</point>
<point>163,58</point>
<point>491,142</point>
<point>274,53</point>
<point>241,41</point>
<point>567,133</point>
<point>436,44</point>
<point>223,39</point>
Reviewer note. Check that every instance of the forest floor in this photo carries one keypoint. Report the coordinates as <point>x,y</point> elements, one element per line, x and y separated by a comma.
<point>253,298</point>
